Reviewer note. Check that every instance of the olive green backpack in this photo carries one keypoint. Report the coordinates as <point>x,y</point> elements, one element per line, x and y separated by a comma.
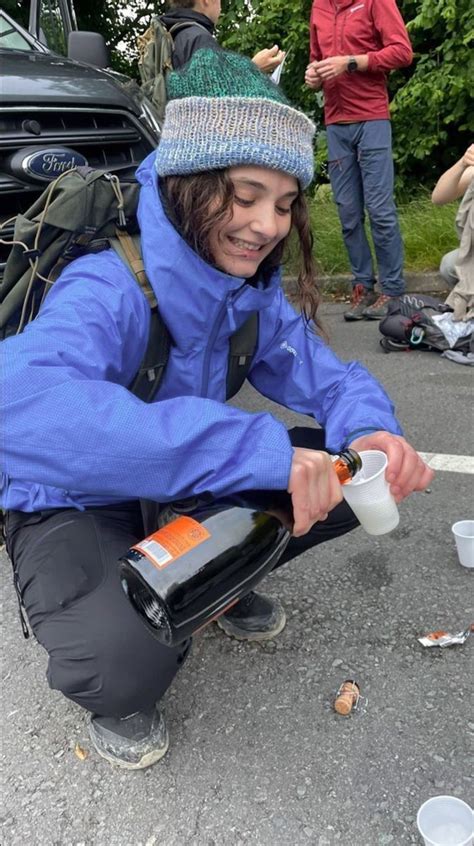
<point>87,211</point>
<point>155,59</point>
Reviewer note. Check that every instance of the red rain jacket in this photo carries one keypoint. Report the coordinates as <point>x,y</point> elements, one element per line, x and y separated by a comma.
<point>351,28</point>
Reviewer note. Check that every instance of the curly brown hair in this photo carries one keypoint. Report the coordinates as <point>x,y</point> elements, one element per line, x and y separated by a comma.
<point>196,203</point>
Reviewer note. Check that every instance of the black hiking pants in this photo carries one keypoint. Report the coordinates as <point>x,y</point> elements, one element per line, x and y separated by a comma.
<point>65,570</point>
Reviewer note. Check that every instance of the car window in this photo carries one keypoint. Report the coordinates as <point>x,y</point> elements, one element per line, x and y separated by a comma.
<point>10,38</point>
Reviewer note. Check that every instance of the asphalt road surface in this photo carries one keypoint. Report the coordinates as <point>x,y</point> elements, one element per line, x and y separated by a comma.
<point>258,755</point>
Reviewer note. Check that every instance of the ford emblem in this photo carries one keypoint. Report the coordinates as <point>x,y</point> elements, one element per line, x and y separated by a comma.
<point>47,164</point>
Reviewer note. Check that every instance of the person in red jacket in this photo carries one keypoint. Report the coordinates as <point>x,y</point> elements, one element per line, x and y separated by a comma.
<point>353,46</point>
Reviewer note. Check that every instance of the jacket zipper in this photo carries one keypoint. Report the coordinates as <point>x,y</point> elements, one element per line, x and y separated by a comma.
<point>230,299</point>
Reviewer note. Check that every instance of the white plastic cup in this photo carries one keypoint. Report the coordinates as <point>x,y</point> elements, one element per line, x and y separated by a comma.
<point>463,532</point>
<point>368,494</point>
<point>445,821</point>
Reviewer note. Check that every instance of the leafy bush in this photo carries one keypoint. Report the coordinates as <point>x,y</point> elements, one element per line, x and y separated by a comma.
<point>433,118</point>
<point>433,115</point>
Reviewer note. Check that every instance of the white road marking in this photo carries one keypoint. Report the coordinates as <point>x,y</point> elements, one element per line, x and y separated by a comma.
<point>449,463</point>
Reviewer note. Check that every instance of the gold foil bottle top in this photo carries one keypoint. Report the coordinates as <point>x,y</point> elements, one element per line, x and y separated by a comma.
<point>346,465</point>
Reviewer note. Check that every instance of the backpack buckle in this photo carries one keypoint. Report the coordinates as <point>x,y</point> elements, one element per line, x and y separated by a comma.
<point>121,222</point>
<point>32,254</point>
<point>417,335</point>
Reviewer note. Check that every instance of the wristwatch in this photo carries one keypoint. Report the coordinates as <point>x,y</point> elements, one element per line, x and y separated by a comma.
<point>351,64</point>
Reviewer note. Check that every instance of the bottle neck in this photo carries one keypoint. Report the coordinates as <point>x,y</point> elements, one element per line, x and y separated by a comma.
<point>347,464</point>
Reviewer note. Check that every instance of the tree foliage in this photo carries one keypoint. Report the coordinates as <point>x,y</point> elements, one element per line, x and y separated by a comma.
<point>432,108</point>
<point>119,23</point>
<point>433,111</point>
<point>17,10</point>
<point>282,22</point>
<point>432,102</point>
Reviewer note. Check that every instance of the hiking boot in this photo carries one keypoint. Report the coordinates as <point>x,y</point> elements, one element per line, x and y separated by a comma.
<point>255,617</point>
<point>378,309</point>
<point>132,742</point>
<point>361,299</point>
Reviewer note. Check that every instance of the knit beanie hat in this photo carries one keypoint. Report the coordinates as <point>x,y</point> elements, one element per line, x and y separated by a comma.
<point>222,112</point>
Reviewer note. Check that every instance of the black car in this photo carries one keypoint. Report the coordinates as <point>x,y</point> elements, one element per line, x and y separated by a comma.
<point>58,111</point>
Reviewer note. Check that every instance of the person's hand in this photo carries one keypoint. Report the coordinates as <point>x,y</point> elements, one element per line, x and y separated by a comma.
<point>332,67</point>
<point>312,77</point>
<point>406,471</point>
<point>269,59</point>
<point>314,487</point>
<point>468,157</point>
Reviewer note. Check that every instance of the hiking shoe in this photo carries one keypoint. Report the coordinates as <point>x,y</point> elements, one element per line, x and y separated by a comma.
<point>133,742</point>
<point>255,617</point>
<point>378,309</point>
<point>361,299</point>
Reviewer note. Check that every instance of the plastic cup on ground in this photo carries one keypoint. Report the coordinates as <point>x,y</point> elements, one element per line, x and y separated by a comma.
<point>368,494</point>
<point>463,532</point>
<point>445,821</point>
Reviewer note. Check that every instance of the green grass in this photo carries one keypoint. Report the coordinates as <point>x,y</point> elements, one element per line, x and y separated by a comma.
<point>427,230</point>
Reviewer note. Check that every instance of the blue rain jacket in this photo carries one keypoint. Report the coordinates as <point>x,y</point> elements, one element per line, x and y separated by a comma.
<point>74,436</point>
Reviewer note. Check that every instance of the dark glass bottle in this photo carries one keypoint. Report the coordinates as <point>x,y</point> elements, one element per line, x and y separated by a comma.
<point>207,556</point>
<point>195,567</point>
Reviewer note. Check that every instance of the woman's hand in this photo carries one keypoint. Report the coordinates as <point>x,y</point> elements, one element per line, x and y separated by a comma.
<point>406,471</point>
<point>314,487</point>
<point>454,182</point>
<point>268,60</point>
<point>468,157</point>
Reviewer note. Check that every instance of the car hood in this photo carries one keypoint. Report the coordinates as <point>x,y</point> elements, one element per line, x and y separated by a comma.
<point>47,78</point>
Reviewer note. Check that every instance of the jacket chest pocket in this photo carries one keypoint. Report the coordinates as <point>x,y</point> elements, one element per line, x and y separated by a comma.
<point>356,32</point>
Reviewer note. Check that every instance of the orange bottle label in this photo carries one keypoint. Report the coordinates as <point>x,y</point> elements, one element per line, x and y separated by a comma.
<point>171,541</point>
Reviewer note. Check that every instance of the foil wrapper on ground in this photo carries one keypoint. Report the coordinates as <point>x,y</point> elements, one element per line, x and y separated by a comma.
<point>442,638</point>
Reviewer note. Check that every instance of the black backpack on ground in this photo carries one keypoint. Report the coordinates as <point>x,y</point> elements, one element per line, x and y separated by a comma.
<point>87,211</point>
<point>409,325</point>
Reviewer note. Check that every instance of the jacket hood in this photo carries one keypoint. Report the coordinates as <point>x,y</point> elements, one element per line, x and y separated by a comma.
<point>180,15</point>
<point>184,284</point>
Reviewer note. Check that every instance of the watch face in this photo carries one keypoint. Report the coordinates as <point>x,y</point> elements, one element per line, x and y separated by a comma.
<point>352,65</point>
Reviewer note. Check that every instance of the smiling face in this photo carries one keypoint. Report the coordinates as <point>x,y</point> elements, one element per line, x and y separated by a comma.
<point>261,218</point>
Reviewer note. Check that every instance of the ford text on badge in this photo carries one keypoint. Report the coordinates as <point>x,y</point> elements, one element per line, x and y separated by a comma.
<point>47,164</point>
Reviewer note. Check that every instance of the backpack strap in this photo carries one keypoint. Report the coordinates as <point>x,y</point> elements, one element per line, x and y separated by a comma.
<point>128,249</point>
<point>242,344</point>
<point>242,348</point>
<point>153,365</point>
<point>186,25</point>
